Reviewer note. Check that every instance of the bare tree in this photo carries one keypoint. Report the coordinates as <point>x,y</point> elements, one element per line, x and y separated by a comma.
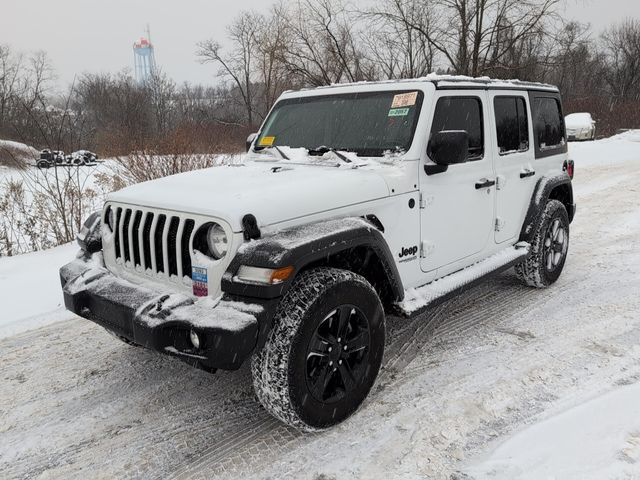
<point>272,37</point>
<point>161,91</point>
<point>475,36</point>
<point>394,39</point>
<point>622,49</point>
<point>11,84</point>
<point>238,63</point>
<point>323,44</point>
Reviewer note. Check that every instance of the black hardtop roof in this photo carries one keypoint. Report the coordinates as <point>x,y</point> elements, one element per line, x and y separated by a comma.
<point>451,82</point>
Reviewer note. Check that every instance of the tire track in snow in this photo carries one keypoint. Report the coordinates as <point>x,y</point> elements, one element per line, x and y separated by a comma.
<point>75,400</point>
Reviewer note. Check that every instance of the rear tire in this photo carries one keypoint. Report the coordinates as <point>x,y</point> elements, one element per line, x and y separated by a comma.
<point>545,261</point>
<point>324,352</point>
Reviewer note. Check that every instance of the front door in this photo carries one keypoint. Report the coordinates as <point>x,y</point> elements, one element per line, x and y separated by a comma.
<point>457,215</point>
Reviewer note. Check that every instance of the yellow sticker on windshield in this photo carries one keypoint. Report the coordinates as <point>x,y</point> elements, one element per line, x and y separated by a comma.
<point>267,141</point>
<point>404,100</point>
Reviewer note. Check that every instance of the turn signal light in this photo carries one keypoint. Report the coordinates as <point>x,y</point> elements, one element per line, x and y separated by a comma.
<point>265,276</point>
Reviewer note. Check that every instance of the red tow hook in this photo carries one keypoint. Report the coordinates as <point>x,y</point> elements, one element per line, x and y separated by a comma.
<point>568,167</point>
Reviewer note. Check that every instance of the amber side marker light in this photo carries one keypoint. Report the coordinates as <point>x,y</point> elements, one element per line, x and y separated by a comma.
<point>264,276</point>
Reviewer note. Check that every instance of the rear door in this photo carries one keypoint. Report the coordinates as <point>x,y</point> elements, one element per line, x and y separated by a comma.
<point>514,161</point>
<point>458,204</point>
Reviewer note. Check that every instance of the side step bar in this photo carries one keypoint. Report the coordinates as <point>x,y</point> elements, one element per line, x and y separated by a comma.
<point>416,300</point>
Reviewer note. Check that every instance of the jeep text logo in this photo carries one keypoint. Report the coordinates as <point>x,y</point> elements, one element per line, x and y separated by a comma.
<point>408,252</point>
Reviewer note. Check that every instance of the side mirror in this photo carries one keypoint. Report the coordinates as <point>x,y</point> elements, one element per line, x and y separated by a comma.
<point>250,140</point>
<point>449,147</point>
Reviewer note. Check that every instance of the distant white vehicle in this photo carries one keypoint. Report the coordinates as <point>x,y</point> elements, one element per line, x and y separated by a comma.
<point>580,126</point>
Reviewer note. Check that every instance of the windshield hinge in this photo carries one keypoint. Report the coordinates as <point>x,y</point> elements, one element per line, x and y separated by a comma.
<point>426,249</point>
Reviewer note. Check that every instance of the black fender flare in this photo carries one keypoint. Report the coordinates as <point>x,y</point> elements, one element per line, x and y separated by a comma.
<point>306,245</point>
<point>541,194</point>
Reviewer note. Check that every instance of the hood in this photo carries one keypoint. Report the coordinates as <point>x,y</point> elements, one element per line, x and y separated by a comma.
<point>273,192</point>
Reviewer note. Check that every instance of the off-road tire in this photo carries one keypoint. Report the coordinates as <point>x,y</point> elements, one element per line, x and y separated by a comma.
<point>533,270</point>
<point>280,369</point>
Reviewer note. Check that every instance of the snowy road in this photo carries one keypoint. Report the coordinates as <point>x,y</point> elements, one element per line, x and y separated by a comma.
<point>457,382</point>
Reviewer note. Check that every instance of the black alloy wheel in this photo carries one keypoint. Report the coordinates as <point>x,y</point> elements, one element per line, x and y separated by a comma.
<point>338,354</point>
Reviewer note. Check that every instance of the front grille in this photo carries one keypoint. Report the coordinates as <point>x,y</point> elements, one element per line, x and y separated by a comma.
<point>153,241</point>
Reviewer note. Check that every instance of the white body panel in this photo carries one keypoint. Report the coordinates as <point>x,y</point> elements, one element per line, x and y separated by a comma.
<point>456,221</point>
<point>455,228</point>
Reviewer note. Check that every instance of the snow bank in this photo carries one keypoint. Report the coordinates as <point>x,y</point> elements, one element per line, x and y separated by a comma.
<point>12,152</point>
<point>606,152</point>
<point>30,288</point>
<point>598,439</point>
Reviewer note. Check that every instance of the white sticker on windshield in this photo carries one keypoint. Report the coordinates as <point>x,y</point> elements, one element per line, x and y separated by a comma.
<point>404,100</point>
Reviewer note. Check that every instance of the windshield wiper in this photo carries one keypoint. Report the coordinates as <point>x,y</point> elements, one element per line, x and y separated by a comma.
<point>276,148</point>
<point>321,150</point>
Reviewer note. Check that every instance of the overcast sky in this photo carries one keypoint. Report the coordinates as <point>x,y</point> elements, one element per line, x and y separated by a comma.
<point>97,35</point>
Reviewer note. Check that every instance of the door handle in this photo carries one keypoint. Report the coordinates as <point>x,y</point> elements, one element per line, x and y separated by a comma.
<point>527,173</point>
<point>484,183</point>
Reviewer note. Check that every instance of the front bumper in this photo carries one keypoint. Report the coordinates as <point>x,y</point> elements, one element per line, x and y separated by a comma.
<point>228,329</point>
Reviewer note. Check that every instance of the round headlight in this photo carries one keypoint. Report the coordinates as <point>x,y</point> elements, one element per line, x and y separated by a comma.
<point>217,241</point>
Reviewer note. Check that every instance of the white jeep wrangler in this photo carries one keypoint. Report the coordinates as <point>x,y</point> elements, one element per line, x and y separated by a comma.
<point>353,201</point>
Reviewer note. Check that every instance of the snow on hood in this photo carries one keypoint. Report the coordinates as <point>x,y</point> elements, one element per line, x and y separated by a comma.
<point>272,191</point>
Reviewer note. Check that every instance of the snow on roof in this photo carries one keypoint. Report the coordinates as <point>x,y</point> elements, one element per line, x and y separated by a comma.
<point>581,119</point>
<point>449,81</point>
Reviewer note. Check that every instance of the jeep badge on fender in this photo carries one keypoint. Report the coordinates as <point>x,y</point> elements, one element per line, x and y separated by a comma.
<point>291,261</point>
<point>408,252</point>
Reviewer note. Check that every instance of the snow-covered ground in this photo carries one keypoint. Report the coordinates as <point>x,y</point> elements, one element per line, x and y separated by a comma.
<point>502,382</point>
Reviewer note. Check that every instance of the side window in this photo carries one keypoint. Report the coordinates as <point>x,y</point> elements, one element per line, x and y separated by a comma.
<point>461,113</point>
<point>548,123</point>
<point>511,124</point>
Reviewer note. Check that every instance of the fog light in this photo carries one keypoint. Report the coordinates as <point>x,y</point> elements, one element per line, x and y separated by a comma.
<point>195,339</point>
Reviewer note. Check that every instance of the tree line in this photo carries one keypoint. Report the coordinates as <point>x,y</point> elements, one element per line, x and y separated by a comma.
<point>309,43</point>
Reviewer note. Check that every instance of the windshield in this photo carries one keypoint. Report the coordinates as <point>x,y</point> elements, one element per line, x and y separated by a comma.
<point>367,123</point>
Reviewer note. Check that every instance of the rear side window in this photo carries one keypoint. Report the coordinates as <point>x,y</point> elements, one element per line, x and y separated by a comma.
<point>512,127</point>
<point>548,123</point>
<point>461,113</point>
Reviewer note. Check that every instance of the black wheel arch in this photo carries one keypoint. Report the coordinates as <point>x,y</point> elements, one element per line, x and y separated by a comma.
<point>557,187</point>
<point>352,243</point>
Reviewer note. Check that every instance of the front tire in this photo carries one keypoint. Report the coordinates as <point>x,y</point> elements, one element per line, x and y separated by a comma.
<point>324,352</point>
<point>549,248</point>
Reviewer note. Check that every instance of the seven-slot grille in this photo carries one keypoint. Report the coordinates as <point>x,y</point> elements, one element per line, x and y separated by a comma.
<point>153,241</point>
